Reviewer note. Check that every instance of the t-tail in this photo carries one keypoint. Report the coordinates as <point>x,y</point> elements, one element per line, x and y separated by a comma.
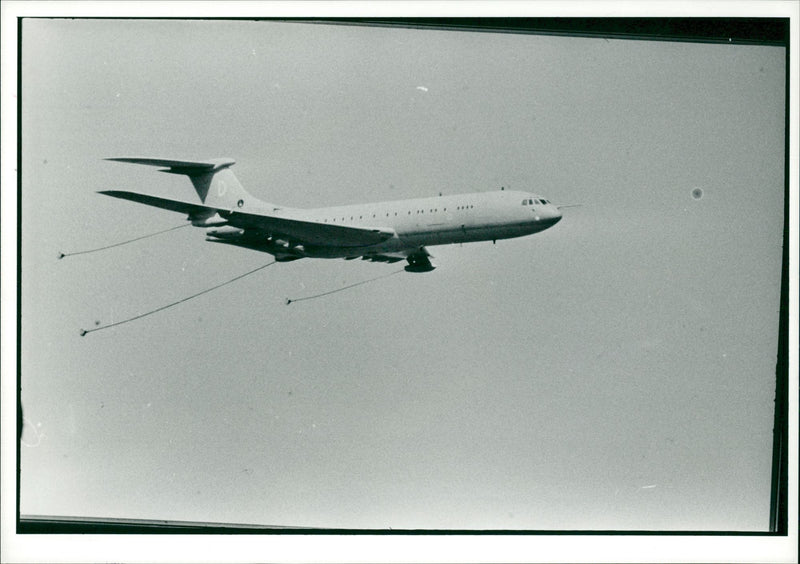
<point>213,180</point>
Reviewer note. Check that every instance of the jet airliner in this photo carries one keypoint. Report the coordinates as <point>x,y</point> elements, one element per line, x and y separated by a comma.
<point>382,232</point>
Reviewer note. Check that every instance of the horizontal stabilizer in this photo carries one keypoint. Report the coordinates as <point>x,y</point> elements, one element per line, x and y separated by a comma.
<point>199,166</point>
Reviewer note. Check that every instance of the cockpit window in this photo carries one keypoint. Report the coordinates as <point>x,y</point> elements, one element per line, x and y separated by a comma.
<point>525,202</point>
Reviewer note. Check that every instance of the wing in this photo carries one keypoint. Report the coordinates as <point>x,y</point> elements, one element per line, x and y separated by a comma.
<point>163,203</point>
<point>311,232</point>
<point>299,230</point>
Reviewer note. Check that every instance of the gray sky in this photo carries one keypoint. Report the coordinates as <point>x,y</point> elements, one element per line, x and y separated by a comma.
<point>614,372</point>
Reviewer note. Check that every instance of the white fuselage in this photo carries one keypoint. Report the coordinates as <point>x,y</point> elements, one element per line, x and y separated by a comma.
<point>442,220</point>
<point>382,231</point>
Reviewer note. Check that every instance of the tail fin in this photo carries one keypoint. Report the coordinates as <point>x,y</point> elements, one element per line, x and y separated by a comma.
<point>214,181</point>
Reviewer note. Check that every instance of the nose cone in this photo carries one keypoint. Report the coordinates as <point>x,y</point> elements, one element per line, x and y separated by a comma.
<point>550,216</point>
<point>544,213</point>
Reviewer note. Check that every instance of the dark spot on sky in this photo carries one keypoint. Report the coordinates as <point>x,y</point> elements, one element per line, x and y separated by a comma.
<point>697,193</point>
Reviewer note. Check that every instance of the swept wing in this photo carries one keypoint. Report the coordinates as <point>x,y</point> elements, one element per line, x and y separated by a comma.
<point>299,230</point>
